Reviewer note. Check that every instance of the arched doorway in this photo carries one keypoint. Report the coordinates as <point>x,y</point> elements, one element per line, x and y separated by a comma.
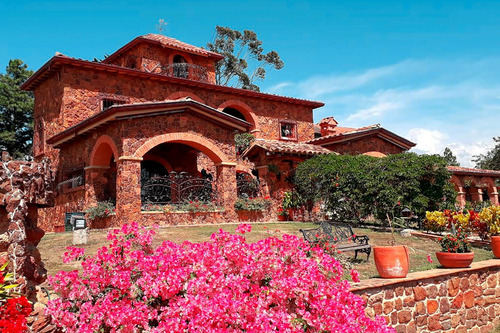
<point>103,164</point>
<point>180,67</point>
<point>187,182</point>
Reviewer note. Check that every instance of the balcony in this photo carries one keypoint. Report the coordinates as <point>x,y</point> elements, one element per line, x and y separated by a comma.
<point>186,71</point>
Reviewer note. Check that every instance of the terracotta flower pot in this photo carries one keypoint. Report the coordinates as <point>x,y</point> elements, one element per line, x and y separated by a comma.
<point>281,217</point>
<point>495,245</point>
<point>59,228</point>
<point>391,261</point>
<point>455,260</point>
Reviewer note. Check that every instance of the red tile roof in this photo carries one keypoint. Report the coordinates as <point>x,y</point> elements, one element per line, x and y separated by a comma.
<point>165,41</point>
<point>55,63</point>
<point>462,170</point>
<point>294,148</point>
<point>346,133</point>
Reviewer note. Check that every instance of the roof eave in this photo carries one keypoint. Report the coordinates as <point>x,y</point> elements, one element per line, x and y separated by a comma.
<point>30,83</point>
<point>140,39</point>
<point>117,113</point>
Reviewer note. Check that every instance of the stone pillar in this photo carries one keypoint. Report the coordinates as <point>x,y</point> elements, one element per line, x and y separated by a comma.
<point>128,188</point>
<point>461,197</point>
<point>263,176</point>
<point>476,194</point>
<point>494,196</point>
<point>226,185</point>
<point>94,182</point>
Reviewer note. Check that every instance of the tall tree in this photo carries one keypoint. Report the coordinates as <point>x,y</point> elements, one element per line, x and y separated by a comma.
<point>244,58</point>
<point>16,111</point>
<point>491,160</point>
<point>449,157</point>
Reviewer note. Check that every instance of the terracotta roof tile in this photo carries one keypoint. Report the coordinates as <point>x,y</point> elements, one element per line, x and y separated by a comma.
<point>473,170</point>
<point>177,44</point>
<point>299,148</point>
<point>345,130</point>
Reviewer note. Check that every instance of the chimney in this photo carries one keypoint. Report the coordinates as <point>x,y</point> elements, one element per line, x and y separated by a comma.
<point>327,126</point>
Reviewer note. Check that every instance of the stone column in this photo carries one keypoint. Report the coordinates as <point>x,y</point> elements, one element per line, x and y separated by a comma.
<point>461,197</point>
<point>494,196</point>
<point>226,185</point>
<point>263,176</point>
<point>476,194</point>
<point>94,181</point>
<point>128,188</point>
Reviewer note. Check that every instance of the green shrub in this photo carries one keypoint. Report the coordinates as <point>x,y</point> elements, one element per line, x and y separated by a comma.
<point>363,185</point>
<point>103,209</point>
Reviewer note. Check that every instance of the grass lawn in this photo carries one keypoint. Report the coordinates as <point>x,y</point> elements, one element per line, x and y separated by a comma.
<point>54,245</point>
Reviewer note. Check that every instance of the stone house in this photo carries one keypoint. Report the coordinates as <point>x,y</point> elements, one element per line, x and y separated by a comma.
<point>148,129</point>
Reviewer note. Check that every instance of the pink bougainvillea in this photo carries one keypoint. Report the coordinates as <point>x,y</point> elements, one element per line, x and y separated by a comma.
<point>223,285</point>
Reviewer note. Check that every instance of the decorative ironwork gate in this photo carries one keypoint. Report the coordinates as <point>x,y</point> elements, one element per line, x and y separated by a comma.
<point>177,188</point>
<point>247,186</point>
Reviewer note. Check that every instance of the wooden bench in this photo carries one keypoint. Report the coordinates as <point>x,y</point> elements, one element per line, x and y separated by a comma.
<point>340,234</point>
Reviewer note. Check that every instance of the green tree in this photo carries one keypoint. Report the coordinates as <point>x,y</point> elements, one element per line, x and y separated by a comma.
<point>491,160</point>
<point>16,111</point>
<point>242,53</point>
<point>449,157</point>
<point>358,186</point>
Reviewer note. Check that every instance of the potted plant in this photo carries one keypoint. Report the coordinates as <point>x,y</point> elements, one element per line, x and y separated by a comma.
<point>392,261</point>
<point>455,248</point>
<point>491,217</point>
<point>282,214</point>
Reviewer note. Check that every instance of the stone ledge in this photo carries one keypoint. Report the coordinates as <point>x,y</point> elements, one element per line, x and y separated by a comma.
<point>424,275</point>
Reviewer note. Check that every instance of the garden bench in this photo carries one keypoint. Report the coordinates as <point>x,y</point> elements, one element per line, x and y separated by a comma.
<point>341,235</point>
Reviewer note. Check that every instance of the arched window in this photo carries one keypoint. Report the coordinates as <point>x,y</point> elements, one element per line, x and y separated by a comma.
<point>235,113</point>
<point>180,67</point>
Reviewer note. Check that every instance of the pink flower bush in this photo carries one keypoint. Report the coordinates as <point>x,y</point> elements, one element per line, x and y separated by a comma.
<point>223,285</point>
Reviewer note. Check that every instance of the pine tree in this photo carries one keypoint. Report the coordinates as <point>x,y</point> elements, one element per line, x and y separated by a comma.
<point>16,111</point>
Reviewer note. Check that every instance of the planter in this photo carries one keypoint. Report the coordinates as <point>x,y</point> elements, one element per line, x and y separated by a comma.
<point>249,215</point>
<point>455,260</point>
<point>281,217</point>
<point>391,261</point>
<point>495,245</point>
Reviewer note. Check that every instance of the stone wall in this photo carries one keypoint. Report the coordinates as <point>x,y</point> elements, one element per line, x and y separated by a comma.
<point>364,145</point>
<point>440,300</point>
<point>24,186</point>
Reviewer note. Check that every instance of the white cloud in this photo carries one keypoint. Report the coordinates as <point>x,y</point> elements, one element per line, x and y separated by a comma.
<point>436,103</point>
<point>428,141</point>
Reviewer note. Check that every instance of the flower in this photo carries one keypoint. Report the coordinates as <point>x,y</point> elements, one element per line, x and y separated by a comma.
<point>429,259</point>
<point>208,287</point>
<point>355,275</point>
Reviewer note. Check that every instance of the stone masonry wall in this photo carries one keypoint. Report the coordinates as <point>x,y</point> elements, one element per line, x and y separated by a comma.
<point>364,145</point>
<point>440,300</point>
<point>23,187</point>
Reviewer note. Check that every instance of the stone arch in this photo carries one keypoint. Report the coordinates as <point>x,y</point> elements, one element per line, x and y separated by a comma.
<point>160,160</point>
<point>243,108</point>
<point>181,94</point>
<point>186,57</point>
<point>456,182</point>
<point>104,148</point>
<point>190,139</point>
<point>490,189</point>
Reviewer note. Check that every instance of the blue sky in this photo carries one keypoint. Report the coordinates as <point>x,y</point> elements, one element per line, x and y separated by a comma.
<point>427,70</point>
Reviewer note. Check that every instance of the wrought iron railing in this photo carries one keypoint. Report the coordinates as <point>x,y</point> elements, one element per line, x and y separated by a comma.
<point>186,71</point>
<point>248,188</point>
<point>177,188</point>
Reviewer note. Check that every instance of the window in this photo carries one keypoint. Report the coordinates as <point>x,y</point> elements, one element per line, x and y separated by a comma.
<point>106,103</point>
<point>288,131</point>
